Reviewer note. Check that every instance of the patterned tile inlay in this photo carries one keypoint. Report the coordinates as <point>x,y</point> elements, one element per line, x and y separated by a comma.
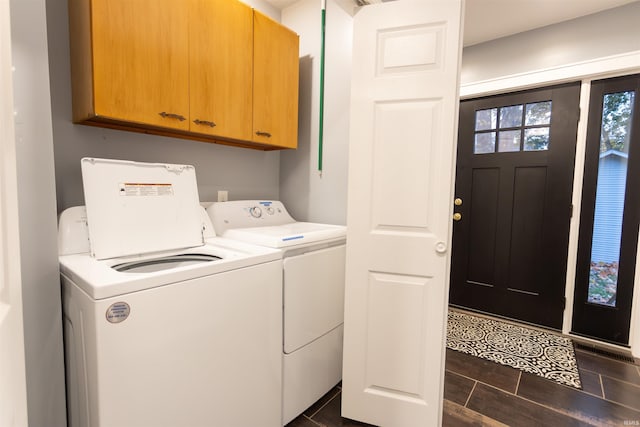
<point>542,353</point>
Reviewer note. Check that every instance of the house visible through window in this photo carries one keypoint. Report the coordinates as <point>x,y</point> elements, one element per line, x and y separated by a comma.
<point>617,111</point>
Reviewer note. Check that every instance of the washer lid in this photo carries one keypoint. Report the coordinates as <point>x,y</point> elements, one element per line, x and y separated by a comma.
<point>137,208</point>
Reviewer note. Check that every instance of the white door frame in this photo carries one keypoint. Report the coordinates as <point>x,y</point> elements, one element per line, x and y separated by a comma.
<point>586,71</point>
<point>13,389</point>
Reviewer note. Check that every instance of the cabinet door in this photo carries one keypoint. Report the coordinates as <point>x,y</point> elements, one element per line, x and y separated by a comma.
<point>275,83</point>
<point>140,61</point>
<point>221,68</point>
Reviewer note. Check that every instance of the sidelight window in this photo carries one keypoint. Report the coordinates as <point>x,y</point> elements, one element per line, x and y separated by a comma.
<point>617,112</point>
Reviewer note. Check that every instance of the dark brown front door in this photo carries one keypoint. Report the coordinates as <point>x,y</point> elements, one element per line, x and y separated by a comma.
<point>514,182</point>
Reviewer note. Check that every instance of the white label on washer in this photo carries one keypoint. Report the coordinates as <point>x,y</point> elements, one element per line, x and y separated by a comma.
<point>118,312</point>
<point>138,189</point>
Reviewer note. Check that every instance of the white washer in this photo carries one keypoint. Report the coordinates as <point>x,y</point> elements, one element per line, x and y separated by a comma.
<point>313,289</point>
<point>165,324</point>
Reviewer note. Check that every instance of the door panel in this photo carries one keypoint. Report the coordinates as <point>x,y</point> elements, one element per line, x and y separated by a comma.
<point>483,225</point>
<point>529,185</point>
<point>514,176</point>
<point>403,123</point>
<point>610,213</point>
<point>389,330</point>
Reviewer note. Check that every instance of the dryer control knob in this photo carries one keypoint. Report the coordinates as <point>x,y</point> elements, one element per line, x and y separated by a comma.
<point>255,212</point>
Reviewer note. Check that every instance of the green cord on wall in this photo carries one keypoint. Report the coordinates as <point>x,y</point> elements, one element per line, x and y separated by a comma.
<point>321,125</point>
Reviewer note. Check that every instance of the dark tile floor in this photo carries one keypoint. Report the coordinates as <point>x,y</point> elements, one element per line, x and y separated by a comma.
<point>482,393</point>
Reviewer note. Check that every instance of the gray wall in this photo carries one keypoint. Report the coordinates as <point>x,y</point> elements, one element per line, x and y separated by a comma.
<point>307,195</point>
<point>42,315</point>
<point>607,33</point>
<point>243,172</point>
<point>264,7</point>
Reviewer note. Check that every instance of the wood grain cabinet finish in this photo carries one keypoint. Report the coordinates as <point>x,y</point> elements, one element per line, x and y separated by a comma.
<point>208,70</point>
<point>221,71</point>
<point>129,68</point>
<point>275,80</point>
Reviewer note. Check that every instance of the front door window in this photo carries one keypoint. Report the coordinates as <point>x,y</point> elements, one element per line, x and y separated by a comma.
<point>523,127</point>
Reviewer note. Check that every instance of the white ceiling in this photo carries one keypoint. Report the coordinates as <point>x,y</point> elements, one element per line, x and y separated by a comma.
<point>491,19</point>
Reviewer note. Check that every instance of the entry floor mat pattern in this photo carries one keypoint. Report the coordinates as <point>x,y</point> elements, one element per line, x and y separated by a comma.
<point>531,350</point>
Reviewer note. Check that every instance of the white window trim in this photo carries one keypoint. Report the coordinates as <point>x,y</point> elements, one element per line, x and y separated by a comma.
<point>610,66</point>
<point>586,71</point>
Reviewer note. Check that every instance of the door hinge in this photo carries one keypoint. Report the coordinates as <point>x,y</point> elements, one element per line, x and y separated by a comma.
<point>571,211</point>
<point>564,302</point>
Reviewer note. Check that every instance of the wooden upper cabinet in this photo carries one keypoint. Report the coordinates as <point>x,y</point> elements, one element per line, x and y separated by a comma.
<point>209,70</point>
<point>275,83</point>
<point>139,57</point>
<point>221,68</point>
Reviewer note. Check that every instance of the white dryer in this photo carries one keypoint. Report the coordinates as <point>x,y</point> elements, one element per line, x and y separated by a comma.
<point>313,291</point>
<point>165,324</point>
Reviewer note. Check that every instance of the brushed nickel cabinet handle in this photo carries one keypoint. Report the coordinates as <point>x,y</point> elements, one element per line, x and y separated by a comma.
<point>166,115</point>
<point>260,133</point>
<point>204,122</point>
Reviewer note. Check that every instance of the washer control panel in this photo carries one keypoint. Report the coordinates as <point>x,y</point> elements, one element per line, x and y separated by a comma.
<point>258,211</point>
<point>266,209</point>
<point>255,211</point>
<point>247,213</point>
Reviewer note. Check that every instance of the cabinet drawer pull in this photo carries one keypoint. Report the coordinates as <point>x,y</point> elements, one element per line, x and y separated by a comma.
<point>260,133</point>
<point>204,122</point>
<point>172,116</point>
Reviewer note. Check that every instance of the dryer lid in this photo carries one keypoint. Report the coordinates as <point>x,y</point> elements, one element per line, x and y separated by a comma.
<point>137,208</point>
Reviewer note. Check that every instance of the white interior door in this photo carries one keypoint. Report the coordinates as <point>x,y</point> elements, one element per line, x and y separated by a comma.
<point>13,394</point>
<point>404,111</point>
